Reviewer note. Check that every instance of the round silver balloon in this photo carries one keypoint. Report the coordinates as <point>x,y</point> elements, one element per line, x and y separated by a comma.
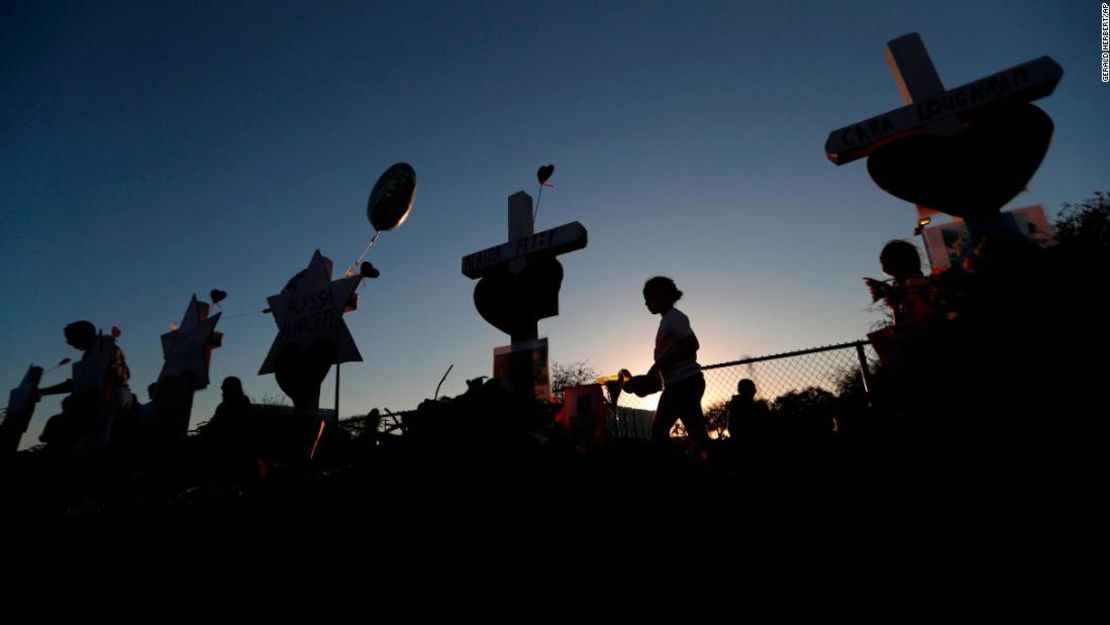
<point>391,199</point>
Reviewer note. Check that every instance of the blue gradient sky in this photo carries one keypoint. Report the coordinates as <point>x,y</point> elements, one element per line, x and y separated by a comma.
<point>150,152</point>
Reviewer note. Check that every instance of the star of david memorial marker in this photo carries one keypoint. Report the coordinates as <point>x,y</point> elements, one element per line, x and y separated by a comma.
<point>311,333</point>
<point>187,353</point>
<point>187,350</point>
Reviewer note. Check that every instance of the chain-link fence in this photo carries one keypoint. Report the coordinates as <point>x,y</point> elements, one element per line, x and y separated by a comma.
<point>789,381</point>
<point>804,376</point>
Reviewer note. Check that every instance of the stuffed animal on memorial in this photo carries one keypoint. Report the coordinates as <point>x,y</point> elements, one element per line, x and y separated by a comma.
<point>642,385</point>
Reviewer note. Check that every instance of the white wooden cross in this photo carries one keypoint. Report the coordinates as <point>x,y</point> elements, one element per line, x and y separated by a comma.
<point>929,108</point>
<point>523,242</point>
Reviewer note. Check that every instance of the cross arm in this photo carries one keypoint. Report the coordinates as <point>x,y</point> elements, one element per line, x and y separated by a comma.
<point>1022,83</point>
<point>560,240</point>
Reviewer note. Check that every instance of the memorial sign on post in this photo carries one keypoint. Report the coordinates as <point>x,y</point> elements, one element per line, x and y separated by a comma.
<point>948,244</point>
<point>531,357</point>
<point>21,407</point>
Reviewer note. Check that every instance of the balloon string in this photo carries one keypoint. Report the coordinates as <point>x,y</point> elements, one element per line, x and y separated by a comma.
<point>354,268</point>
<point>539,196</point>
<point>64,362</point>
<point>260,312</point>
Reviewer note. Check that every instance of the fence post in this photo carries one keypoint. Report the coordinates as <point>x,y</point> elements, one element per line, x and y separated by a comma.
<point>864,371</point>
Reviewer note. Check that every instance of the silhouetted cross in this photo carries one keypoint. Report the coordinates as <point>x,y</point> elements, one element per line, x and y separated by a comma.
<point>523,242</point>
<point>929,108</point>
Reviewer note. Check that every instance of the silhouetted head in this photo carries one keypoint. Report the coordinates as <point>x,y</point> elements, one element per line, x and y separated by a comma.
<point>900,259</point>
<point>81,334</point>
<point>373,422</point>
<point>660,294</point>
<point>232,387</point>
<point>745,388</point>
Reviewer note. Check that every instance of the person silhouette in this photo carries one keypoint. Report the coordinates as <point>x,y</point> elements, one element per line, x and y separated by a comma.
<point>231,432</point>
<point>236,406</point>
<point>99,391</point>
<point>675,358</point>
<point>748,419</point>
<point>373,422</point>
<point>149,424</point>
<point>910,294</point>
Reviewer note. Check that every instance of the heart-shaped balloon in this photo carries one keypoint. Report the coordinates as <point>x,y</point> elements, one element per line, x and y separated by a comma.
<point>217,295</point>
<point>972,174</point>
<point>513,303</point>
<point>367,270</point>
<point>544,173</point>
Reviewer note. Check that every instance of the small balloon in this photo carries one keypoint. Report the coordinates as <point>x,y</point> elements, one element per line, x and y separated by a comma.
<point>217,295</point>
<point>116,332</point>
<point>391,199</point>
<point>544,173</point>
<point>367,270</point>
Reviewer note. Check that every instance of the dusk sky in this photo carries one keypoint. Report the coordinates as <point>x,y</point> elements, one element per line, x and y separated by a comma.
<point>154,150</point>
